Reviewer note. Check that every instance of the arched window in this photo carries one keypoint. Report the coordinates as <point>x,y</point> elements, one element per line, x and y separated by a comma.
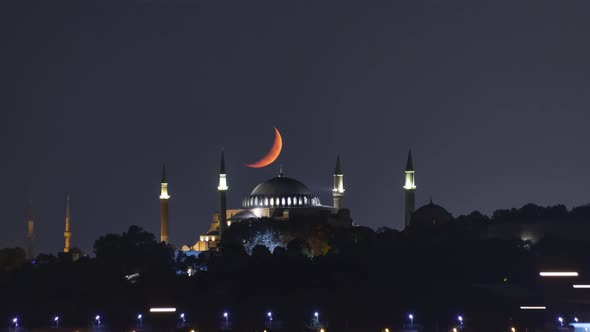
<point>255,201</point>
<point>305,200</point>
<point>300,201</point>
<point>266,201</point>
<point>272,201</point>
<point>289,201</point>
<point>283,201</point>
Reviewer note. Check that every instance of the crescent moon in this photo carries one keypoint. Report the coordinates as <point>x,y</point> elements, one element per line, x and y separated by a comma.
<point>272,155</point>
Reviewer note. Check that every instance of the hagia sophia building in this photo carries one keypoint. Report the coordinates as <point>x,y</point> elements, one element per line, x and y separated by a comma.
<point>285,198</point>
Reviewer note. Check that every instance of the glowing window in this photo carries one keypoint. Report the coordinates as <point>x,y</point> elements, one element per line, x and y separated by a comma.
<point>288,200</point>
<point>305,200</point>
<point>283,201</point>
<point>266,201</point>
<point>272,201</point>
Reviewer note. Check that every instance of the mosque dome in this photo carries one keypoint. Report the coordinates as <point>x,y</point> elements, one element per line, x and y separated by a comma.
<point>430,214</point>
<point>281,192</point>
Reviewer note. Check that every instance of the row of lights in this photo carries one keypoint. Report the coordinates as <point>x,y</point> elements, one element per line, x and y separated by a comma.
<point>182,317</point>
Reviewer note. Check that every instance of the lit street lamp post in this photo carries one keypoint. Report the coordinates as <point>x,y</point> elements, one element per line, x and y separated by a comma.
<point>316,315</point>
<point>225,316</point>
<point>97,318</point>
<point>56,321</point>
<point>411,317</point>
<point>560,319</point>
<point>269,315</point>
<point>140,319</point>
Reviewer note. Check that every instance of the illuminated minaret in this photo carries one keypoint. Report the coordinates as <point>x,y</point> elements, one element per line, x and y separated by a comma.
<point>338,191</point>
<point>30,232</point>
<point>409,190</point>
<point>164,197</point>
<point>222,188</point>
<point>67,233</point>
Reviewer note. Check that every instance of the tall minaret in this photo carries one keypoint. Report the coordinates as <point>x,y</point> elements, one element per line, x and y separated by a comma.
<point>164,207</point>
<point>409,190</point>
<point>338,191</point>
<point>30,232</point>
<point>222,188</point>
<point>67,233</point>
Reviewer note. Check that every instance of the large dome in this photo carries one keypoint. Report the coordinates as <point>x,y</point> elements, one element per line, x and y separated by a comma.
<point>281,192</point>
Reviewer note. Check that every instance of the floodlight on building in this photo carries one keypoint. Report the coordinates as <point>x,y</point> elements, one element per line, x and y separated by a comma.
<point>162,309</point>
<point>558,274</point>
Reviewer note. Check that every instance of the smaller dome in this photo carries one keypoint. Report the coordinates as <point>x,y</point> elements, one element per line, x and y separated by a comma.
<point>430,214</point>
<point>243,215</point>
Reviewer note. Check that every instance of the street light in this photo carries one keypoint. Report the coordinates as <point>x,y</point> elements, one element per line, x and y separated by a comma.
<point>513,329</point>
<point>560,319</point>
<point>15,322</point>
<point>460,318</point>
<point>225,316</point>
<point>140,319</point>
<point>317,316</point>
<point>97,318</point>
<point>183,318</point>
<point>269,315</point>
<point>411,317</point>
<point>56,320</point>
<point>576,319</point>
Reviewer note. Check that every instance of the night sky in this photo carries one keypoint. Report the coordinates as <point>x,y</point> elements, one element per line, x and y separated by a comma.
<point>493,99</point>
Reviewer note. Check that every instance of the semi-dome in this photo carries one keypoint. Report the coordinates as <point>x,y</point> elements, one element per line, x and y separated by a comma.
<point>281,192</point>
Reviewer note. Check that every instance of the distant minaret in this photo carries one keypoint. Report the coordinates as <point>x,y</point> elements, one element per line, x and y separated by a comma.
<point>164,207</point>
<point>30,232</point>
<point>409,190</point>
<point>338,191</point>
<point>67,233</point>
<point>222,188</point>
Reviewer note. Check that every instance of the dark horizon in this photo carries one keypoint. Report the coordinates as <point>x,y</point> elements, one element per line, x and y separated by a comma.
<point>491,98</point>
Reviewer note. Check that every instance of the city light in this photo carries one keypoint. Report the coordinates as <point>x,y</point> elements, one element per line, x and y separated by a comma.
<point>533,307</point>
<point>56,320</point>
<point>162,309</point>
<point>411,317</point>
<point>454,329</point>
<point>97,318</point>
<point>15,322</point>
<point>560,319</point>
<point>513,329</point>
<point>581,286</point>
<point>460,318</point>
<point>576,319</point>
<point>558,274</point>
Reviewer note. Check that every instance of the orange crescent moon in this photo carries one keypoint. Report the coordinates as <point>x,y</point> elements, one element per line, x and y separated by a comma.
<point>272,155</point>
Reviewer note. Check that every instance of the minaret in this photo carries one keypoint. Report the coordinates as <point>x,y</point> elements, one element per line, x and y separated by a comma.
<point>164,207</point>
<point>338,191</point>
<point>30,232</point>
<point>409,190</point>
<point>67,233</point>
<point>222,189</point>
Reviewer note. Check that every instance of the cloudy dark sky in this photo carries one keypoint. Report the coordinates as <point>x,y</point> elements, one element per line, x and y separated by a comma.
<point>492,98</point>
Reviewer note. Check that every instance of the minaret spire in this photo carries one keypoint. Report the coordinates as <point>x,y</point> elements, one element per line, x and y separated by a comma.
<point>222,189</point>
<point>409,190</point>
<point>338,190</point>
<point>67,233</point>
<point>164,197</point>
<point>30,231</point>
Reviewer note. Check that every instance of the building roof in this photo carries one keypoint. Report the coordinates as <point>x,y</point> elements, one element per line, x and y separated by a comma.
<point>280,186</point>
<point>430,214</point>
